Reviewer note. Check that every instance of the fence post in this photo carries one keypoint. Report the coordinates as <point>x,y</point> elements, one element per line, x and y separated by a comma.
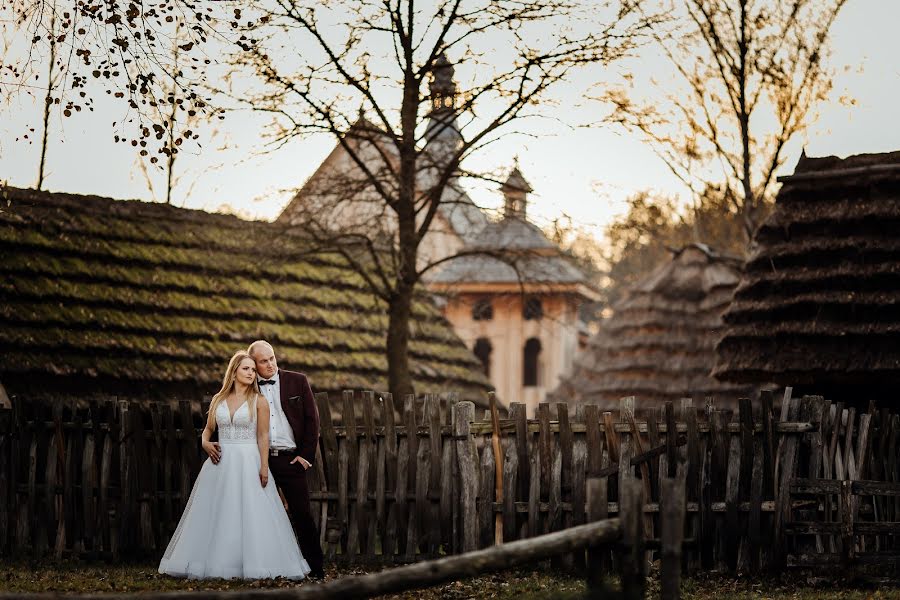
<point>596,555</point>
<point>671,525</point>
<point>631,508</point>
<point>463,413</point>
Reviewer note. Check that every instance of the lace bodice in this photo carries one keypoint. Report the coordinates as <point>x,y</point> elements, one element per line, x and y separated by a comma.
<point>239,430</point>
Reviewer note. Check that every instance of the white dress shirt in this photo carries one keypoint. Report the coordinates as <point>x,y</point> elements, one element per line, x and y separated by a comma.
<point>281,436</point>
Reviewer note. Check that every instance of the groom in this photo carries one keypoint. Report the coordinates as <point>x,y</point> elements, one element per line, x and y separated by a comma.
<point>293,437</point>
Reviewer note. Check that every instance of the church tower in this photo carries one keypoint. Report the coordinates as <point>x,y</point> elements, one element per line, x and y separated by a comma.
<point>442,136</point>
<point>515,194</point>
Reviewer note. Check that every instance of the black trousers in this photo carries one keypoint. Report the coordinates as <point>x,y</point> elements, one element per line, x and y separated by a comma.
<point>291,479</point>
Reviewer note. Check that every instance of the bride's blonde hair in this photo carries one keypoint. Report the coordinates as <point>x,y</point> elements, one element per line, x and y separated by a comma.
<point>228,387</point>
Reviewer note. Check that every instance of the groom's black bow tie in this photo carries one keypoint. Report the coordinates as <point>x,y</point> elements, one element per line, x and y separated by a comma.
<point>266,382</point>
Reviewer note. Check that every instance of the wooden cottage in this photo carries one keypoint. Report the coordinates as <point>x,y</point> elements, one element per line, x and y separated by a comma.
<point>819,304</point>
<point>128,298</point>
<point>658,345</point>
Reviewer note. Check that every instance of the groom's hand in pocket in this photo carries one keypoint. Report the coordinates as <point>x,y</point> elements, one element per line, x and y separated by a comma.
<point>214,451</point>
<point>303,462</point>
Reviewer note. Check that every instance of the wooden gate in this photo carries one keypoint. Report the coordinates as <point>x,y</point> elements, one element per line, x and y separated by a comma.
<point>847,523</point>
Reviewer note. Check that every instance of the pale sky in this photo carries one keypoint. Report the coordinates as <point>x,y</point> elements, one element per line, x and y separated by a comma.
<point>584,173</point>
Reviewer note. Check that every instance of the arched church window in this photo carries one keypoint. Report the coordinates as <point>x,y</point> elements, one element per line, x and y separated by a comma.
<point>533,309</point>
<point>483,350</point>
<point>483,310</point>
<point>531,361</point>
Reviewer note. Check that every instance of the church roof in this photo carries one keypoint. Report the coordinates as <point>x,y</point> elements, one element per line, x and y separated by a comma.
<point>516,181</point>
<point>513,233</point>
<point>819,302</point>
<point>659,342</point>
<point>120,297</point>
<point>511,269</point>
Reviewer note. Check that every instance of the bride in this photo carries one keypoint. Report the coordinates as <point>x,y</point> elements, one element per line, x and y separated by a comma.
<point>234,524</point>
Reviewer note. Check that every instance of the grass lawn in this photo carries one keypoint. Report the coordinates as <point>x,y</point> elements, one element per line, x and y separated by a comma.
<point>519,584</point>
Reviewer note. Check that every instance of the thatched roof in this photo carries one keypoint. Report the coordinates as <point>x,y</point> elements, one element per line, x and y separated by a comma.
<point>118,296</point>
<point>658,344</point>
<point>820,299</point>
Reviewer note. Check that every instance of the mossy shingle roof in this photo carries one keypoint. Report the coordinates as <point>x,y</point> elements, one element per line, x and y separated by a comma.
<point>659,343</point>
<point>819,302</point>
<point>127,296</point>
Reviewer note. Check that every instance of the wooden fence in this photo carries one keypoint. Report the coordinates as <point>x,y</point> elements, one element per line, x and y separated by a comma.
<point>108,479</point>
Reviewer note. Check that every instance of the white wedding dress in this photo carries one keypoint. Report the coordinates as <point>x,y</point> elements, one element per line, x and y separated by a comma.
<point>232,526</point>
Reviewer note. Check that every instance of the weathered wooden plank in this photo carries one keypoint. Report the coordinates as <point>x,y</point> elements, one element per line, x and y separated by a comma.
<point>654,462</point>
<point>767,417</point>
<point>510,473</point>
<point>89,479</point>
<point>633,565</point>
<point>170,452</point>
<point>626,442</point>
<point>125,474</point>
<point>142,473</point>
<point>497,458</point>
<point>517,415</point>
<point>554,516</point>
<point>328,440</point>
<point>732,531</point>
<point>464,412</point>
<point>671,439</point>
<point>485,502</point>
<point>367,537</point>
<point>396,534</point>
<point>359,512</point>
<point>846,511</point>
<point>786,466</point>
<point>343,491</point>
<point>16,452</point>
<point>534,492</point>
<point>671,520</point>
<point>431,524</point>
<point>391,451</point>
<point>579,464</point>
<point>594,439</point>
<point>380,497</point>
<point>837,411</point>
<point>566,439</point>
<point>348,420</point>
<point>416,531</point>
<point>545,448</point>
<point>448,509</point>
<point>693,483</point>
<point>597,555</point>
<point>862,446</point>
<point>754,521</point>
<point>50,504</point>
<point>849,457</point>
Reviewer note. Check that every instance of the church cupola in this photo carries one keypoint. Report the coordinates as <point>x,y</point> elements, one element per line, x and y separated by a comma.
<point>515,192</point>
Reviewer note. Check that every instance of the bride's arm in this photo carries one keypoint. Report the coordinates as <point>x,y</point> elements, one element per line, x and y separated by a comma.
<point>262,438</point>
<point>211,448</point>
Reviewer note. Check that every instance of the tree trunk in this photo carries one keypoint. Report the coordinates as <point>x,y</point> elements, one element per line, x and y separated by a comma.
<point>399,312</point>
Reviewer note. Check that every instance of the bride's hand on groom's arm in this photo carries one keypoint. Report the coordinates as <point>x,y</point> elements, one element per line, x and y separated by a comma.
<point>213,450</point>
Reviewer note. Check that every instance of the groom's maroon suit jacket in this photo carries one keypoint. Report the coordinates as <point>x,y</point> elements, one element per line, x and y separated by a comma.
<point>299,407</point>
